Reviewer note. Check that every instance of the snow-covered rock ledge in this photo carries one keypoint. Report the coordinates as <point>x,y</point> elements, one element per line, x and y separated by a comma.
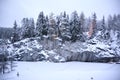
<point>35,49</point>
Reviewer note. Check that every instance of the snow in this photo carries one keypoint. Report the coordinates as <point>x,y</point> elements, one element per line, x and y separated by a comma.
<point>44,53</point>
<point>25,44</point>
<point>57,38</point>
<point>63,71</point>
<point>51,52</point>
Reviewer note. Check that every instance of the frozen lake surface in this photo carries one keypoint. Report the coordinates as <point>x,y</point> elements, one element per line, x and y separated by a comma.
<point>63,71</point>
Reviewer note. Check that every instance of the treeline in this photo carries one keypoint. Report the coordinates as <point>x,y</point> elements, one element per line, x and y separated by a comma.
<point>5,33</point>
<point>66,27</point>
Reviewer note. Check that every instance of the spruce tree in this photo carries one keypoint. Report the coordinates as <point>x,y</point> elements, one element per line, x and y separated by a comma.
<point>41,27</point>
<point>15,36</point>
<point>74,26</point>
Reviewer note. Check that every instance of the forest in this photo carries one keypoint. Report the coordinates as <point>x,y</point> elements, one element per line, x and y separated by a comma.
<point>67,27</point>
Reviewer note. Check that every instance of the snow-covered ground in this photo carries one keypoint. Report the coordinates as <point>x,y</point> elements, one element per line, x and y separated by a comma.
<point>64,71</point>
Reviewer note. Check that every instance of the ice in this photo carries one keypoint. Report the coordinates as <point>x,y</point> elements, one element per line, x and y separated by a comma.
<point>64,71</point>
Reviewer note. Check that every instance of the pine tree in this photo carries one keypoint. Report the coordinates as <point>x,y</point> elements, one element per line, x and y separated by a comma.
<point>15,33</point>
<point>82,27</point>
<point>82,21</point>
<point>64,27</point>
<point>94,23</point>
<point>115,18</point>
<point>24,28</point>
<point>45,27</point>
<point>41,27</point>
<point>110,22</point>
<point>105,33</point>
<point>103,25</point>
<point>58,20</point>
<point>74,26</point>
<point>31,27</point>
<point>27,29</point>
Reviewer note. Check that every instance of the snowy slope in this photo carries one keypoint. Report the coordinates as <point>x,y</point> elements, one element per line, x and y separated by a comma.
<point>63,71</point>
<point>31,49</point>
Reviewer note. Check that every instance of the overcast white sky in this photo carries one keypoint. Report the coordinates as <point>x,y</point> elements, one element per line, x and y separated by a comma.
<point>11,10</point>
